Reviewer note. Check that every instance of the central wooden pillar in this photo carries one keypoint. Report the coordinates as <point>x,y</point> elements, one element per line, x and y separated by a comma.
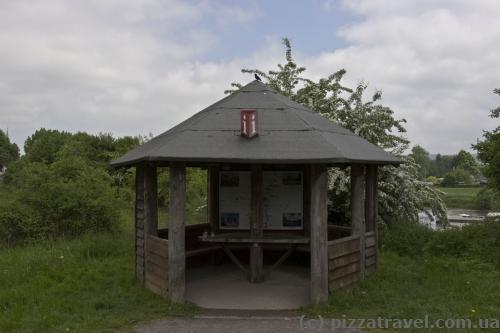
<point>319,233</point>
<point>256,224</point>
<point>358,210</point>
<point>176,231</point>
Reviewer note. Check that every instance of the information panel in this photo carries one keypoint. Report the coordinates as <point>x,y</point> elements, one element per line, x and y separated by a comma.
<point>282,206</point>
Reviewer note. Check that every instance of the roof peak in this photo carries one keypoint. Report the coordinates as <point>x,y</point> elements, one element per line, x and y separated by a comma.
<point>255,85</point>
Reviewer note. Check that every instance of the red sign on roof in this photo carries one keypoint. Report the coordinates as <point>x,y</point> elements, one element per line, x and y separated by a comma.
<point>249,123</point>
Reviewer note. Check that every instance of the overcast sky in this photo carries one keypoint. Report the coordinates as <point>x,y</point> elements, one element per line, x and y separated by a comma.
<point>132,67</point>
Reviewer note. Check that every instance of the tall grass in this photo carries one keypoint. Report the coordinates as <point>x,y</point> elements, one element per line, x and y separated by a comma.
<point>79,285</point>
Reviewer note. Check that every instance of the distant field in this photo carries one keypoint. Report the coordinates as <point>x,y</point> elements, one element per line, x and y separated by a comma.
<point>460,197</point>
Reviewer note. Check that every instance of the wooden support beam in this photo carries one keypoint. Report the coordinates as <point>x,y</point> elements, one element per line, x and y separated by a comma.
<point>176,233</point>
<point>371,198</point>
<point>319,233</point>
<point>256,224</point>
<point>371,203</point>
<point>306,202</point>
<point>151,199</point>
<point>358,209</point>
<point>213,197</point>
<point>146,212</point>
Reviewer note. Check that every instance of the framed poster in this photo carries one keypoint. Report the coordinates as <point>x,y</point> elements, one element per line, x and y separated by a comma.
<point>283,193</point>
<point>234,200</point>
<point>282,202</point>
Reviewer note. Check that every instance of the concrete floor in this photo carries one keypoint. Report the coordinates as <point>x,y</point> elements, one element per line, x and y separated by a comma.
<point>225,287</point>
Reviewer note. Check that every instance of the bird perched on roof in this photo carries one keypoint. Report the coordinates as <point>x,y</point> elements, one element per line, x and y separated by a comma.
<point>257,78</point>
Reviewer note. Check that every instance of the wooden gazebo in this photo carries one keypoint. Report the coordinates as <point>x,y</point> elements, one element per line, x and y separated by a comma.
<point>267,158</point>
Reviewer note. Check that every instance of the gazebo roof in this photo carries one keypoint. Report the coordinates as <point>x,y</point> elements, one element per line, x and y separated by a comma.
<point>288,133</point>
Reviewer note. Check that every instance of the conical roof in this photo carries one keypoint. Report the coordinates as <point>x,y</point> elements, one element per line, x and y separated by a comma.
<point>288,133</point>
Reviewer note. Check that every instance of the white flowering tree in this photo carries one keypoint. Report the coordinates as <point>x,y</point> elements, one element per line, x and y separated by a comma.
<point>401,194</point>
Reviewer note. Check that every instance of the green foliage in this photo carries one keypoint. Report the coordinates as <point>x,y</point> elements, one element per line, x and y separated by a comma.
<point>487,199</point>
<point>68,197</point>
<point>63,186</point>
<point>369,119</point>
<point>477,241</point>
<point>441,165</point>
<point>406,238</point>
<point>79,285</point>
<point>465,161</point>
<point>455,177</point>
<point>421,157</point>
<point>489,151</point>
<point>8,151</point>
<point>44,144</point>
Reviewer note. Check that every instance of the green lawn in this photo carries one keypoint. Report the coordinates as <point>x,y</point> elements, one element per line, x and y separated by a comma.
<point>460,197</point>
<point>404,287</point>
<point>84,285</point>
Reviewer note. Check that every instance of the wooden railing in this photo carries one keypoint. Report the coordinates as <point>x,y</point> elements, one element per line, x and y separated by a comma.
<point>343,262</point>
<point>370,253</point>
<point>156,277</point>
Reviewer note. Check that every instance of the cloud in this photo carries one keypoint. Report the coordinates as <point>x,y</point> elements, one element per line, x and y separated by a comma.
<point>436,62</point>
<point>136,66</point>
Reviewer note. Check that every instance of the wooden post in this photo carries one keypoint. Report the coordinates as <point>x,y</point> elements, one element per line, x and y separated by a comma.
<point>371,198</point>
<point>256,224</point>
<point>176,233</point>
<point>151,199</point>
<point>146,212</point>
<point>306,202</point>
<point>319,233</point>
<point>358,210</point>
<point>213,198</point>
<point>371,203</point>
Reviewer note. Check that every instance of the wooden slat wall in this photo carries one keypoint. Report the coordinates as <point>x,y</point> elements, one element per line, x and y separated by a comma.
<point>139,225</point>
<point>370,252</point>
<point>156,277</point>
<point>344,260</point>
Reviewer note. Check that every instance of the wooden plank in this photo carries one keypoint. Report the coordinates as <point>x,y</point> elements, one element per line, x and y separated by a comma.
<point>344,282</point>
<point>341,249</point>
<point>153,268</point>
<point>280,260</point>
<point>213,197</point>
<point>358,209</point>
<point>203,250</point>
<point>157,245</point>
<point>319,233</point>
<point>176,233</point>
<point>343,240</point>
<point>157,290</point>
<point>370,241</point>
<point>139,220</point>
<point>157,260</point>
<point>370,251</point>
<point>370,261</point>
<point>345,270</point>
<point>256,224</point>
<point>344,260</point>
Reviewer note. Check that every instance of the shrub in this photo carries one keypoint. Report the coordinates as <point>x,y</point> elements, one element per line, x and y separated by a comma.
<point>487,199</point>
<point>455,177</point>
<point>405,237</point>
<point>68,197</point>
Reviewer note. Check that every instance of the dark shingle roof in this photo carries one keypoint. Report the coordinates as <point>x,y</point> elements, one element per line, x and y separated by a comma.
<point>289,133</point>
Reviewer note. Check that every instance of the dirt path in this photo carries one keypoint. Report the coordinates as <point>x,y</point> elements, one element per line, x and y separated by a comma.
<point>237,323</point>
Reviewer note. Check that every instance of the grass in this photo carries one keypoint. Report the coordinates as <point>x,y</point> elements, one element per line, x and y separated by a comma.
<point>460,197</point>
<point>83,285</point>
<point>404,287</point>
